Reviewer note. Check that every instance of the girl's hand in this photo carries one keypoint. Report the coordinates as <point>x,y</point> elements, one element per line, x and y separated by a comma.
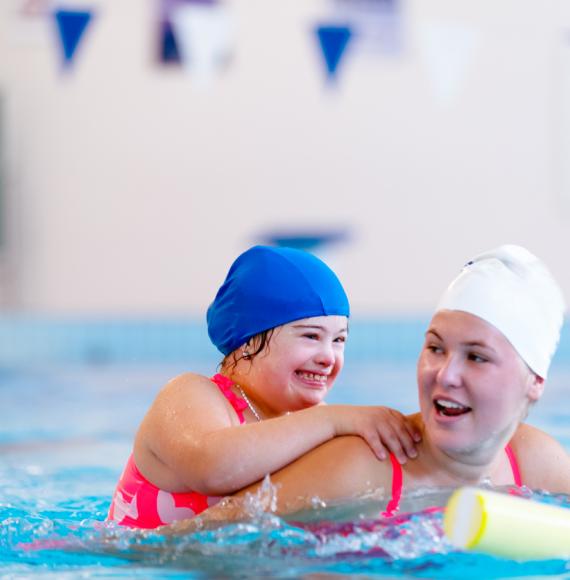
<point>385,430</point>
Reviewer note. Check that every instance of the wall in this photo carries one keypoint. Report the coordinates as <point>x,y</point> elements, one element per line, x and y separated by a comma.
<point>130,187</point>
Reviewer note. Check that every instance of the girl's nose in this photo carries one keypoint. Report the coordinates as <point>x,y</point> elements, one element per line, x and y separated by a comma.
<point>326,355</point>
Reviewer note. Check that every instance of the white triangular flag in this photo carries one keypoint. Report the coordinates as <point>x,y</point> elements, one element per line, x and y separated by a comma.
<point>204,36</point>
<point>448,51</point>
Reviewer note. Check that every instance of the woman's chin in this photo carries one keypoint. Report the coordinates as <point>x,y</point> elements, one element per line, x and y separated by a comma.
<point>453,442</point>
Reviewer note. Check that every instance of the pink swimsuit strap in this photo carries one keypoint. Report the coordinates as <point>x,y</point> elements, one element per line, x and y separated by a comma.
<point>138,503</point>
<point>225,385</point>
<point>514,465</point>
<point>397,486</point>
<point>398,481</point>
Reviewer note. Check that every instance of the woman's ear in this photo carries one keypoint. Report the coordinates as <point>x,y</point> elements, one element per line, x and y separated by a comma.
<point>536,388</point>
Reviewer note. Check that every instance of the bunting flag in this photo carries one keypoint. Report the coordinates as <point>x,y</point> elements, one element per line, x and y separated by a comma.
<point>71,25</point>
<point>168,46</point>
<point>333,40</point>
<point>34,7</point>
<point>307,239</point>
<point>204,38</point>
<point>448,52</point>
<point>30,23</point>
<point>376,25</point>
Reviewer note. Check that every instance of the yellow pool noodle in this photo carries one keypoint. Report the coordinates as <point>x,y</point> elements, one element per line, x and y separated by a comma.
<point>507,526</point>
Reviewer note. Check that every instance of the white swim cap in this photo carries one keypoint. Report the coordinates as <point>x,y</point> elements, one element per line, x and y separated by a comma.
<point>513,290</point>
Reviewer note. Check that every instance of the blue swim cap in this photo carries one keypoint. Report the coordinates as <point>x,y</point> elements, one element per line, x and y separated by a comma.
<point>267,287</point>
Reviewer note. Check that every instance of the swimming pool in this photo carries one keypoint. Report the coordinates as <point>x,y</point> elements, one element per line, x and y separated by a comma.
<point>66,430</point>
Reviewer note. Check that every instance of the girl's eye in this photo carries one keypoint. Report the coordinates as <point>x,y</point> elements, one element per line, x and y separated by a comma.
<point>340,339</point>
<point>477,358</point>
<point>311,335</point>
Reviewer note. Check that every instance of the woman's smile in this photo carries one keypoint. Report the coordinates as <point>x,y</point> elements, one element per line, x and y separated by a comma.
<point>449,408</point>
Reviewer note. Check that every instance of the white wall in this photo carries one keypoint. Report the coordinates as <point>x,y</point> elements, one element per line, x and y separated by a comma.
<point>129,189</point>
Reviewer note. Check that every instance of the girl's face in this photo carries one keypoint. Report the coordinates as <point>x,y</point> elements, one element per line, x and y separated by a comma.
<point>474,388</point>
<point>298,366</point>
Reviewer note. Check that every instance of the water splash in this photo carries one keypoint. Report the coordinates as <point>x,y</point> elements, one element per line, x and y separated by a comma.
<point>49,530</point>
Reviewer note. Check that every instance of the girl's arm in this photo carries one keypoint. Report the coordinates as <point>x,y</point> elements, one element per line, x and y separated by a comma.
<point>341,469</point>
<point>543,462</point>
<point>191,439</point>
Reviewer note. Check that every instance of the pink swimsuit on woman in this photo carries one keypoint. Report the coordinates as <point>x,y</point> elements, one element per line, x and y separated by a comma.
<point>398,481</point>
<point>138,503</point>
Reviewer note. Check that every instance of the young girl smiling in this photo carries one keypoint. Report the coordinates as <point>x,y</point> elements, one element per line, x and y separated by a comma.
<point>281,320</point>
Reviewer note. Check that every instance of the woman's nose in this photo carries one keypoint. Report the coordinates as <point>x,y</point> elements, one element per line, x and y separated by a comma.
<point>450,373</point>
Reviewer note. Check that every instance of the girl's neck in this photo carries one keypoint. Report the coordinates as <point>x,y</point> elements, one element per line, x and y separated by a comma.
<point>243,389</point>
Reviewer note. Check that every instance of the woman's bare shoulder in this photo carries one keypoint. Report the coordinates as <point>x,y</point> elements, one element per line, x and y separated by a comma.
<point>530,441</point>
<point>543,461</point>
<point>342,468</point>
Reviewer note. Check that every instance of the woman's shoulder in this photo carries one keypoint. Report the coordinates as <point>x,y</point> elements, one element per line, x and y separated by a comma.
<point>344,467</point>
<point>344,456</point>
<point>543,461</point>
<point>530,440</point>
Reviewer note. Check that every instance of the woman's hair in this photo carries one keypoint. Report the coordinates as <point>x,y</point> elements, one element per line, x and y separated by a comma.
<point>256,343</point>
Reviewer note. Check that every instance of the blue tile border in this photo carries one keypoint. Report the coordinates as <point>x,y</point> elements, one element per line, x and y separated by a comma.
<point>27,341</point>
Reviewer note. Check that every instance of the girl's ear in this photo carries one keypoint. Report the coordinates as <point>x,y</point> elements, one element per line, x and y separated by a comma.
<point>536,388</point>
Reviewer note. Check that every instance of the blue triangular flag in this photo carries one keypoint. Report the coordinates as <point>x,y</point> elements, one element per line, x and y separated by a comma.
<point>304,239</point>
<point>333,40</point>
<point>71,25</point>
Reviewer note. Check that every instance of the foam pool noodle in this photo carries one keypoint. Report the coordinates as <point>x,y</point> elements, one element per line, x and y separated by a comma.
<point>507,526</point>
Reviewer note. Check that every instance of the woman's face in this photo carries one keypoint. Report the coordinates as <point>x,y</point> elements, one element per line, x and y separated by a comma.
<point>299,364</point>
<point>474,388</point>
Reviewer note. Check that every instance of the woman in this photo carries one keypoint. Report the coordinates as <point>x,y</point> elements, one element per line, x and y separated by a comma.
<point>483,364</point>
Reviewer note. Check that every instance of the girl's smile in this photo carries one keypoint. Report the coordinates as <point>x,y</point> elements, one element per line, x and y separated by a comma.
<point>298,366</point>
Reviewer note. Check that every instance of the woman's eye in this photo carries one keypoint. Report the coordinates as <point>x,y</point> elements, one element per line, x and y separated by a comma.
<point>434,348</point>
<point>340,339</point>
<point>477,358</point>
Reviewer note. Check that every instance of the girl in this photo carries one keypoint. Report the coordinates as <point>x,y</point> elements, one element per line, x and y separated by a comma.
<point>280,318</point>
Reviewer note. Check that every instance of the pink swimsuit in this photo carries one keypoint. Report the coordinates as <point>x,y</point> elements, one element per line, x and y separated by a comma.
<point>138,503</point>
<point>398,481</point>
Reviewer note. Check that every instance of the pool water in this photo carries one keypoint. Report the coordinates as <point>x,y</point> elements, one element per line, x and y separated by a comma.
<point>65,433</point>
